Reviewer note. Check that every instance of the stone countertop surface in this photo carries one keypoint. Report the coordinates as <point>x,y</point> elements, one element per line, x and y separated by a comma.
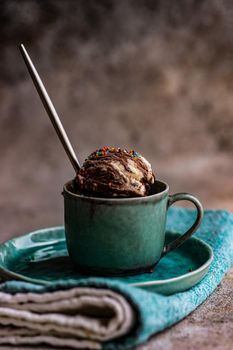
<point>209,327</point>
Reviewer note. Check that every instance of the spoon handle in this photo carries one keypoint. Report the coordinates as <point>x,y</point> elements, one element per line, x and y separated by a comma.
<point>50,109</point>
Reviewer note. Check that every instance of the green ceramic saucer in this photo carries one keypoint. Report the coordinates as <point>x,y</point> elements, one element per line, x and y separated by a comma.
<point>41,257</point>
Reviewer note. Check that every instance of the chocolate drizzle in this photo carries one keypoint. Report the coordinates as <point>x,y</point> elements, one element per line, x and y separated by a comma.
<point>115,173</point>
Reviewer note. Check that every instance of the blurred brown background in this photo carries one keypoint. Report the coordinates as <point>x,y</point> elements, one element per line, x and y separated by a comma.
<point>156,76</point>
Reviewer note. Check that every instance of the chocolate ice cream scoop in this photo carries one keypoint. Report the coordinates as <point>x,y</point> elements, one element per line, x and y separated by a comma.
<point>115,172</point>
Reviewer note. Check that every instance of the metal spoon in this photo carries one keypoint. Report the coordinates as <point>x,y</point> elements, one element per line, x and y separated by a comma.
<point>50,109</point>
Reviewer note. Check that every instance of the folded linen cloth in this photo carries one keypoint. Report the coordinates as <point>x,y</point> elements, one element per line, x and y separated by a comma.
<point>114,315</point>
<point>78,317</point>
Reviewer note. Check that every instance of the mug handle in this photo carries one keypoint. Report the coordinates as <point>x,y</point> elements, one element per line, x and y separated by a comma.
<point>200,212</point>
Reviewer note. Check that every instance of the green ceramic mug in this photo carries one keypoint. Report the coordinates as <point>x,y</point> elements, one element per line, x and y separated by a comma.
<point>107,236</point>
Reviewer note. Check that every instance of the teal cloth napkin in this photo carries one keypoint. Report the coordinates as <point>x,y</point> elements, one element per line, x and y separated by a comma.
<point>157,312</point>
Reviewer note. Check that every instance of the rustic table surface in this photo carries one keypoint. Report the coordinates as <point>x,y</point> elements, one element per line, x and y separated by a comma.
<point>209,327</point>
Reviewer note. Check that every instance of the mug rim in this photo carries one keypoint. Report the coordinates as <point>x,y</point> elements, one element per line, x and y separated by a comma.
<point>118,200</point>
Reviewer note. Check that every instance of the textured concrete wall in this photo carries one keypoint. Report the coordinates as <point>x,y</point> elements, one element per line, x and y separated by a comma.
<point>156,76</point>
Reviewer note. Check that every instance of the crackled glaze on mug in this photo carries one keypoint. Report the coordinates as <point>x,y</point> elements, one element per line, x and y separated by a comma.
<point>115,235</point>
